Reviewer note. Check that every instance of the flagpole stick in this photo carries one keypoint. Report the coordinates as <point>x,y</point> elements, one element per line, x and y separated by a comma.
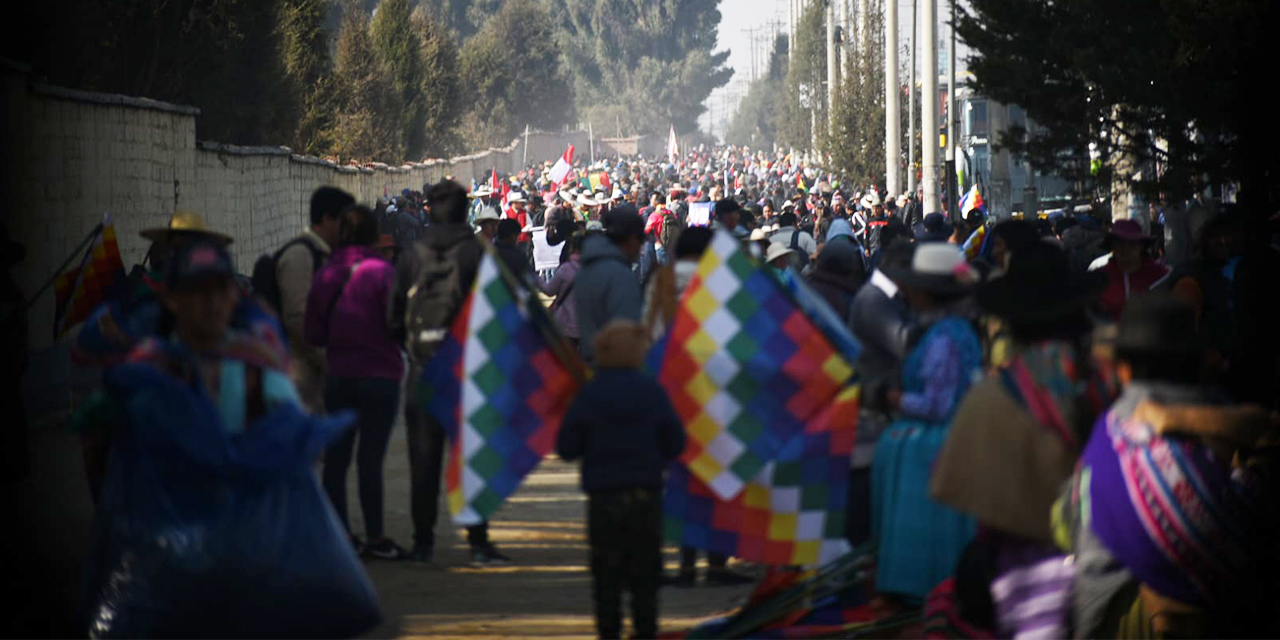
<point>65,263</point>
<point>525,162</point>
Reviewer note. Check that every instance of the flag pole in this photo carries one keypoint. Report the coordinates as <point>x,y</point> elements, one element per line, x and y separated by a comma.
<point>591,138</point>
<point>525,162</point>
<point>66,263</point>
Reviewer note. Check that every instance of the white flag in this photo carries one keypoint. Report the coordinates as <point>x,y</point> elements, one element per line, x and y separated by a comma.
<point>673,149</point>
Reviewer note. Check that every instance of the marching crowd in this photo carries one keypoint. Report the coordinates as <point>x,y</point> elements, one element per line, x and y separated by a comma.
<point>1063,430</point>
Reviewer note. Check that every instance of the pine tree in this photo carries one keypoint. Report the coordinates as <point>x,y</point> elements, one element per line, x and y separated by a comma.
<point>440,87</point>
<point>398,46</point>
<point>514,76</point>
<point>367,124</point>
<point>304,51</point>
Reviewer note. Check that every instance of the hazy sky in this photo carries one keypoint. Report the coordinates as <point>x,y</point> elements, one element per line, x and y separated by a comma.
<point>738,16</point>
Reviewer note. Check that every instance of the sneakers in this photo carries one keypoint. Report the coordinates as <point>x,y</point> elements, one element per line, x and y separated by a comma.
<point>385,549</point>
<point>487,555</point>
<point>723,577</point>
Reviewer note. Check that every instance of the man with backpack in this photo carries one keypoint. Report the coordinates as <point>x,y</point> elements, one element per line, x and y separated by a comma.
<point>433,279</point>
<point>295,264</point>
<point>801,243</point>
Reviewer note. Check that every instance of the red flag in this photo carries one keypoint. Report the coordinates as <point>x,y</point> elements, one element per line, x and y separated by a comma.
<point>494,183</point>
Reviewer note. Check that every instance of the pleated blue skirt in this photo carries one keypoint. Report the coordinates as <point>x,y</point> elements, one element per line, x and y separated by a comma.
<point>920,540</point>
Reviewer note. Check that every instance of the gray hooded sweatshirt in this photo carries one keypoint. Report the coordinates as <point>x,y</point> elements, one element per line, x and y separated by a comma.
<point>606,289</point>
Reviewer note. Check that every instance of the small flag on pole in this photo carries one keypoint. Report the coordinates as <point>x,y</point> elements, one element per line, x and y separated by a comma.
<point>560,171</point>
<point>81,289</point>
<point>494,185</point>
<point>673,148</point>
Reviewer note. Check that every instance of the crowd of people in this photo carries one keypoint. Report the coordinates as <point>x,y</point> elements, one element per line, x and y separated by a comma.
<point>1033,391</point>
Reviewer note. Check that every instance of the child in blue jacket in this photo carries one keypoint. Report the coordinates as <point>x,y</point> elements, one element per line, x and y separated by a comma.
<point>624,429</point>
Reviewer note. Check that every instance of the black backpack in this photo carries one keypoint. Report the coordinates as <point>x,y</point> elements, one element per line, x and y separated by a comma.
<point>799,255</point>
<point>434,299</point>
<point>264,281</point>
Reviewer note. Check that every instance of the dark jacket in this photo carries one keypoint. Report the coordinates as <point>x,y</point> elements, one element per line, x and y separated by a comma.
<point>437,237</point>
<point>607,289</point>
<point>623,427</point>
<point>883,326</point>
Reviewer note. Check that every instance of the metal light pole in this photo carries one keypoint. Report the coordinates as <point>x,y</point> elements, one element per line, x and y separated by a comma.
<point>929,107</point>
<point>892,127</point>
<point>911,103</point>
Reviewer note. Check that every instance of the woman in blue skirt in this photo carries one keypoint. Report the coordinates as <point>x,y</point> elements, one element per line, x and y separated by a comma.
<point>921,540</point>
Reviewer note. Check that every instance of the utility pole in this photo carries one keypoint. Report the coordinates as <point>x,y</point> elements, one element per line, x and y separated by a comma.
<point>892,126</point>
<point>929,107</point>
<point>911,102</point>
<point>832,57</point>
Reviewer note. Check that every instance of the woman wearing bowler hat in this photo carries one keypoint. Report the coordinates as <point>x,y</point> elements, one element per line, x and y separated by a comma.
<point>920,539</point>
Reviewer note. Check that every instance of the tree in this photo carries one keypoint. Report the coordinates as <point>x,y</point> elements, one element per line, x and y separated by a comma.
<point>440,87</point>
<point>514,76</point>
<point>398,47</point>
<point>803,91</point>
<point>1166,82</point>
<point>367,121</point>
<point>463,17</point>
<point>655,62</point>
<point>856,144</point>
<point>304,51</point>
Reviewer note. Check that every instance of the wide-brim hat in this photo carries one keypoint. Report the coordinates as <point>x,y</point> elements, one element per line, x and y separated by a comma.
<point>515,196</point>
<point>487,213</point>
<point>936,267</point>
<point>870,200</point>
<point>677,188</point>
<point>1128,230</point>
<point>481,192</point>
<point>585,200</point>
<point>1039,286</point>
<point>777,250</point>
<point>185,223</point>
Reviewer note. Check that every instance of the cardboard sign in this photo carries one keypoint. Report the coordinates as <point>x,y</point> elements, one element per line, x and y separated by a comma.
<point>700,214</point>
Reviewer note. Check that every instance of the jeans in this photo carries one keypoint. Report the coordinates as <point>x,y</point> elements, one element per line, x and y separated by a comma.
<point>374,400</point>
<point>426,462</point>
<point>624,529</point>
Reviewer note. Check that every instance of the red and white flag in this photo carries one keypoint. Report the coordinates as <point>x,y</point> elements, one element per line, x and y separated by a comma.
<point>560,172</point>
<point>673,148</point>
<point>494,185</point>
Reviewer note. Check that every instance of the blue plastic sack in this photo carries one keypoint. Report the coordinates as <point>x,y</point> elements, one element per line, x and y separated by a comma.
<point>201,533</point>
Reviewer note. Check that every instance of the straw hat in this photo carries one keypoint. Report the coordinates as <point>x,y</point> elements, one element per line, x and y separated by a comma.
<point>487,213</point>
<point>185,223</point>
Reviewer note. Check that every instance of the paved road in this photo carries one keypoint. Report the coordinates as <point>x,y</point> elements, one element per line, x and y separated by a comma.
<point>545,592</point>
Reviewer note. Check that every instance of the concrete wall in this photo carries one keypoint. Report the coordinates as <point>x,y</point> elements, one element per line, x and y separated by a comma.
<point>71,156</point>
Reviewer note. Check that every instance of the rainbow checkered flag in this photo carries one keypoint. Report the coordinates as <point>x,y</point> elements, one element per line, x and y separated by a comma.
<point>83,288</point>
<point>770,409</point>
<point>499,385</point>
